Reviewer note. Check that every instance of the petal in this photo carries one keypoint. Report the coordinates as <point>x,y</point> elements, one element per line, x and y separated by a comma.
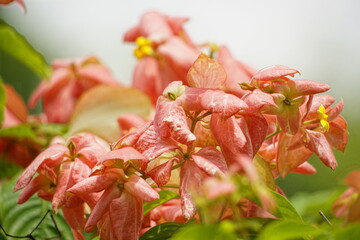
<point>53,153</point>
<point>102,206</point>
<point>125,154</point>
<point>151,145</point>
<point>62,185</point>
<point>273,73</point>
<point>176,120</point>
<point>191,178</point>
<point>93,184</point>
<point>206,73</point>
<point>129,121</point>
<point>75,218</point>
<point>153,25</point>
<point>307,87</point>
<point>179,56</point>
<point>35,185</point>
<point>304,168</point>
<point>211,161</point>
<point>89,148</point>
<point>335,111</point>
<point>337,136</point>
<point>217,101</point>
<point>132,34</point>
<point>162,173</point>
<point>139,188</point>
<point>258,100</point>
<point>353,179</point>
<point>126,215</point>
<point>236,71</point>
<point>316,142</point>
<point>147,77</point>
<point>290,153</point>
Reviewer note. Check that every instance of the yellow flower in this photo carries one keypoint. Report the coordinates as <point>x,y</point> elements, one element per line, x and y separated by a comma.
<point>323,118</point>
<point>144,47</point>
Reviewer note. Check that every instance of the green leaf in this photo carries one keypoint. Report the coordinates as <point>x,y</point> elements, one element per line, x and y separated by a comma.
<point>8,168</point>
<point>18,47</point>
<point>162,231</point>
<point>222,231</point>
<point>284,209</point>
<point>165,196</point>
<point>288,229</point>
<point>21,219</point>
<point>19,132</point>
<point>351,231</point>
<point>2,101</point>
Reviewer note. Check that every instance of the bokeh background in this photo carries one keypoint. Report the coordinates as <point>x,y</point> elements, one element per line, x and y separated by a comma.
<point>320,38</point>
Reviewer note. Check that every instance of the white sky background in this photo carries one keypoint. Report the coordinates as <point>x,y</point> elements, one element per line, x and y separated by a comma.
<point>320,38</point>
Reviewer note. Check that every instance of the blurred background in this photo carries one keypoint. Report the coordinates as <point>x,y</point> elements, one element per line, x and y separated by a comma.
<point>319,38</point>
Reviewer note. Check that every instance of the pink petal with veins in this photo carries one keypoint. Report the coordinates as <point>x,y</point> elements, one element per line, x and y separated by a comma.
<point>102,206</point>
<point>53,153</point>
<point>179,56</point>
<point>93,184</point>
<point>316,142</point>
<point>126,215</point>
<point>273,73</point>
<point>236,71</point>
<point>139,188</point>
<point>191,178</point>
<point>210,160</point>
<point>35,185</point>
<point>125,154</point>
<point>206,73</point>
<point>147,77</point>
<point>162,173</point>
<point>176,121</point>
<point>75,217</point>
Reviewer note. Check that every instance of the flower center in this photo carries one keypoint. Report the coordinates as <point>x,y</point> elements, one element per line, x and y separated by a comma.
<point>144,47</point>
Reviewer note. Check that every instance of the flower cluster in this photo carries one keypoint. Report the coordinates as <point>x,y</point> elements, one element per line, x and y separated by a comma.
<point>216,123</point>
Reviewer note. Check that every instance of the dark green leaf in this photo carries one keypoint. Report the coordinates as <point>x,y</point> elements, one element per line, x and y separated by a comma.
<point>165,196</point>
<point>284,209</point>
<point>8,168</point>
<point>162,231</point>
<point>21,219</point>
<point>288,229</point>
<point>17,46</point>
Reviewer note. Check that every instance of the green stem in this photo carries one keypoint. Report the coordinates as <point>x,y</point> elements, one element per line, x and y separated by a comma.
<point>273,134</point>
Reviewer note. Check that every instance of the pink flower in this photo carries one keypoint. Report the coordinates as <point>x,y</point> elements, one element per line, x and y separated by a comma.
<point>347,206</point>
<point>122,196</point>
<point>70,78</point>
<point>60,167</point>
<point>164,51</point>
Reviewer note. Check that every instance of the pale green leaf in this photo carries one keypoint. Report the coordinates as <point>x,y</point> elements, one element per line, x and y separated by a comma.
<point>288,229</point>
<point>18,47</point>
<point>284,209</point>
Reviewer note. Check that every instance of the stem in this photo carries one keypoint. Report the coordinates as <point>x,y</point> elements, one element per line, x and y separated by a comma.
<point>273,134</point>
<point>325,218</point>
<point>311,122</point>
